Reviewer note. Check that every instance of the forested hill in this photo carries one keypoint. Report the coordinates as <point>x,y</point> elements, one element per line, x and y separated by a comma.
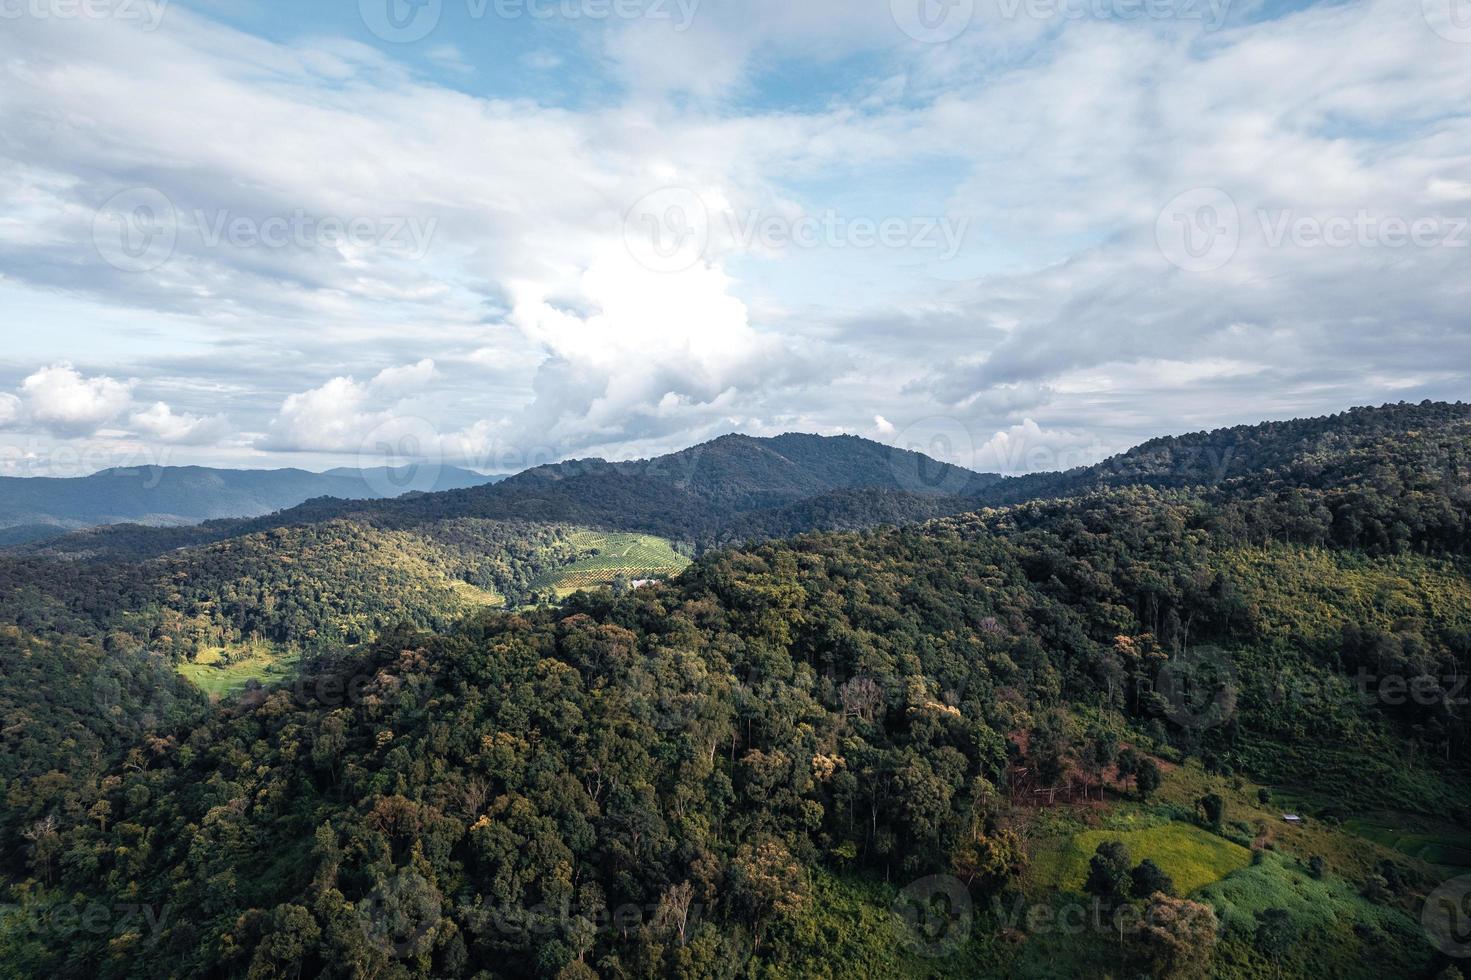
<point>696,495</point>
<point>738,488</point>
<point>735,773</point>
<point>1312,452</point>
<point>163,495</point>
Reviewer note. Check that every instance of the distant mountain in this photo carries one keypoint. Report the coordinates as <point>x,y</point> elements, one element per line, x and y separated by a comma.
<point>168,495</point>
<point>740,488</point>
<point>695,493</point>
<point>706,494</point>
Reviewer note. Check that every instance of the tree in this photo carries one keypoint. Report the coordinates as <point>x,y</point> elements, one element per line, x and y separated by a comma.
<point>1177,937</point>
<point>993,858</point>
<point>1148,778</point>
<point>1108,874</point>
<point>1276,933</point>
<point>1128,764</point>
<point>1148,878</point>
<point>767,881</point>
<point>1212,809</point>
<point>1103,749</point>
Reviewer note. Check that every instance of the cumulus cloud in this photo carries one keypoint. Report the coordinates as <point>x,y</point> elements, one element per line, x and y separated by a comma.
<point>497,269</point>
<point>162,423</point>
<point>10,409</point>
<point>1030,448</point>
<point>347,416</point>
<point>60,399</point>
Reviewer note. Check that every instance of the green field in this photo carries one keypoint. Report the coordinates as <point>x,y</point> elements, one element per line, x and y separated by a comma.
<point>1442,844</point>
<point>1191,856</point>
<point>213,675</point>
<point>607,556</point>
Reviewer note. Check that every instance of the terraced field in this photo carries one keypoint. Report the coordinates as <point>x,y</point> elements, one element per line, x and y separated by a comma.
<point>610,555</point>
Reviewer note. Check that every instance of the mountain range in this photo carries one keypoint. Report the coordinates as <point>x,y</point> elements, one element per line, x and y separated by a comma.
<point>37,507</point>
<point>411,736</point>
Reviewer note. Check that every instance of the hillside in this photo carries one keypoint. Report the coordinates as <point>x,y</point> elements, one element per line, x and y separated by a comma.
<point>170,495</point>
<point>784,753</point>
<point>737,488</point>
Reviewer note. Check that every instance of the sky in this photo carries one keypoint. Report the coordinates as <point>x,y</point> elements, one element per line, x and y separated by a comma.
<point>1015,234</point>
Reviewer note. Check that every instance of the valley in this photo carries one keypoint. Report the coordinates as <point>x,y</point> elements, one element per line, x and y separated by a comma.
<point>1057,736</point>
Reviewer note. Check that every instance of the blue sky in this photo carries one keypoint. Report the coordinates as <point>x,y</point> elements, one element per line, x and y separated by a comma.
<point>241,232</point>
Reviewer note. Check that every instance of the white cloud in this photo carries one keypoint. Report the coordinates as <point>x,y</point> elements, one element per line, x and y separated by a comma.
<point>527,320</point>
<point>161,422</point>
<point>403,380</point>
<point>1029,448</point>
<point>60,399</point>
<point>10,408</point>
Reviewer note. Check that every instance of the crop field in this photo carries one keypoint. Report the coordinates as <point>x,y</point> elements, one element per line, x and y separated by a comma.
<point>634,556</point>
<point>219,672</point>
<point>1191,856</point>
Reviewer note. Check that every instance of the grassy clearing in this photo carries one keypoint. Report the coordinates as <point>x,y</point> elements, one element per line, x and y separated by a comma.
<point>220,672</point>
<point>1444,845</point>
<point>1340,933</point>
<point>634,556</point>
<point>1191,856</point>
